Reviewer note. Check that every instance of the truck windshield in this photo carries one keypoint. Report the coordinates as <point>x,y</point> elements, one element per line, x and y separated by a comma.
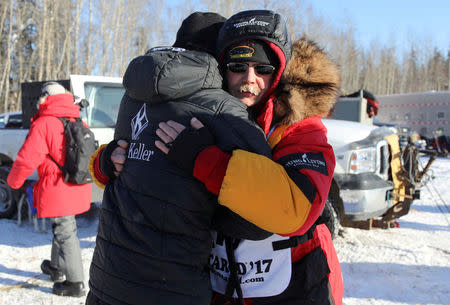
<point>104,101</point>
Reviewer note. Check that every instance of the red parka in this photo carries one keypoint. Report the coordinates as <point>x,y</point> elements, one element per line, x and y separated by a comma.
<point>287,196</point>
<point>52,197</point>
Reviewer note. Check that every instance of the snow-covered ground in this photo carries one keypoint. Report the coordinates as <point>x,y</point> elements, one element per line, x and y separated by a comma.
<point>405,265</point>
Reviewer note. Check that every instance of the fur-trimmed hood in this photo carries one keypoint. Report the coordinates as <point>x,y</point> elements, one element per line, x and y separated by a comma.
<point>309,86</point>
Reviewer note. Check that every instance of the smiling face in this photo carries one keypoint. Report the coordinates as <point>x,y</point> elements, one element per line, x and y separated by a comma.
<point>248,86</point>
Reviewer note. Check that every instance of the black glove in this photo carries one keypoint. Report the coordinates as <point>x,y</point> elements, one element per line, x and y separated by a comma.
<point>189,143</point>
<point>106,165</point>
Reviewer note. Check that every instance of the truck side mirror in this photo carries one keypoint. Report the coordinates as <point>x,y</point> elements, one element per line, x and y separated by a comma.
<point>83,103</point>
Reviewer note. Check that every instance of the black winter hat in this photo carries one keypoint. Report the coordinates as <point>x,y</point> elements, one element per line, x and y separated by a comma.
<point>257,25</point>
<point>199,32</point>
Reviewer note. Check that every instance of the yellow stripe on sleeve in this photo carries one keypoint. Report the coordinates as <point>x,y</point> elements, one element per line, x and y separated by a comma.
<point>261,191</point>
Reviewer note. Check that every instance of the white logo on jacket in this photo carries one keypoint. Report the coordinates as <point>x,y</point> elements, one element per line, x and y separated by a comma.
<point>251,22</point>
<point>139,122</point>
<point>138,150</point>
<point>306,160</point>
<point>174,49</point>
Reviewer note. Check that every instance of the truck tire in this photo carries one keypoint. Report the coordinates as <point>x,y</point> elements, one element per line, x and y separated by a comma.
<point>331,217</point>
<point>8,204</point>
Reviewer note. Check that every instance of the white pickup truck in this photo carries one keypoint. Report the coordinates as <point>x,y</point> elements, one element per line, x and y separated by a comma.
<point>375,180</point>
<point>364,183</point>
<point>102,93</point>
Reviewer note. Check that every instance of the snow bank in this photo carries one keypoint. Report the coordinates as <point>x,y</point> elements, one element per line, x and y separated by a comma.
<point>405,265</point>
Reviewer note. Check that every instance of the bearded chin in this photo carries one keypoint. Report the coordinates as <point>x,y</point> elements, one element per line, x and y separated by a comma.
<point>248,88</point>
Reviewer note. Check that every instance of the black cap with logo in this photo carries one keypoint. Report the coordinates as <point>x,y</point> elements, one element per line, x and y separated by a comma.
<point>251,51</point>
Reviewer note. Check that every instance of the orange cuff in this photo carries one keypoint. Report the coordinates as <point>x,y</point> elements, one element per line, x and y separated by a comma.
<point>94,168</point>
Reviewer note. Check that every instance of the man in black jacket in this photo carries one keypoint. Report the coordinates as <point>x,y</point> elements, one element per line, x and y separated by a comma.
<point>154,238</point>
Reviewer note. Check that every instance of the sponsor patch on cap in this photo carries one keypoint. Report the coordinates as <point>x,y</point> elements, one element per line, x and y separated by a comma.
<point>241,51</point>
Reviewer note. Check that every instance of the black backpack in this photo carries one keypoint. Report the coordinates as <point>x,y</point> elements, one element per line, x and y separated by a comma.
<point>80,145</point>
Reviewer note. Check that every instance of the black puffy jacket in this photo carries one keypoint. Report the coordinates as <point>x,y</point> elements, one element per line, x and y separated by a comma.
<point>154,237</point>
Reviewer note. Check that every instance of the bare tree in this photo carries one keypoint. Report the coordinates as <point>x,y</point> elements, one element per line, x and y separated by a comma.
<point>44,39</point>
<point>4,81</point>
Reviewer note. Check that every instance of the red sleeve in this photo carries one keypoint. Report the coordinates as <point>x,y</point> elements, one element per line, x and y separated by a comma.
<point>285,195</point>
<point>94,168</point>
<point>210,168</point>
<point>30,156</point>
<point>310,141</point>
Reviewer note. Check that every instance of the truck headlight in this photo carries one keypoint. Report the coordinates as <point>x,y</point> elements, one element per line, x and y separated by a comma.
<point>363,160</point>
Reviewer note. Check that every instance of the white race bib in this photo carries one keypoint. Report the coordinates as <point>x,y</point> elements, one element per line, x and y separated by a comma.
<point>262,272</point>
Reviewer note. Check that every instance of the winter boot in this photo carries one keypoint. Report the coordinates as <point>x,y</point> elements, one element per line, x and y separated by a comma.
<point>71,289</point>
<point>55,274</point>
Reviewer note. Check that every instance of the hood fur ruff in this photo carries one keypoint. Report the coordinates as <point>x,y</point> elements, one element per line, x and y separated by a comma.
<point>309,86</point>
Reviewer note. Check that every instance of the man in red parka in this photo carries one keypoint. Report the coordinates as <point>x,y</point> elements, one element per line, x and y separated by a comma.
<point>52,197</point>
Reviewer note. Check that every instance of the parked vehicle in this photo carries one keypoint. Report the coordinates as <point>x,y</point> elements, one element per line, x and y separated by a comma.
<point>376,178</point>
<point>422,112</point>
<point>103,95</point>
<point>11,119</point>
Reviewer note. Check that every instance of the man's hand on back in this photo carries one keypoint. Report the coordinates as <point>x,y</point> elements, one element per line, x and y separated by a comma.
<point>118,156</point>
<point>113,157</point>
<point>183,144</point>
<point>170,130</point>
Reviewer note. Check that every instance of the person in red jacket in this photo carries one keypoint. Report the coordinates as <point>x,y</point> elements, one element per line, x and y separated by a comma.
<point>52,197</point>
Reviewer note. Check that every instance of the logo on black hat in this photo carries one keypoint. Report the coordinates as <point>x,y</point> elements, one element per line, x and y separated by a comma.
<point>252,21</point>
<point>241,51</point>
